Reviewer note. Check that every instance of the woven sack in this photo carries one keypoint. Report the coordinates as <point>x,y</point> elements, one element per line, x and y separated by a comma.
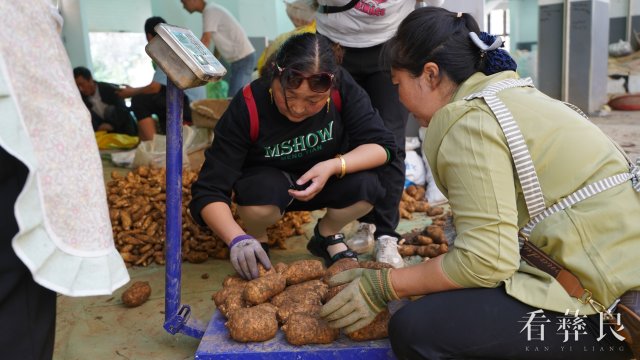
<point>206,112</point>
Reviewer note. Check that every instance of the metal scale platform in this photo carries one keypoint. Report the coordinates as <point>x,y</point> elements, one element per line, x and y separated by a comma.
<point>187,64</point>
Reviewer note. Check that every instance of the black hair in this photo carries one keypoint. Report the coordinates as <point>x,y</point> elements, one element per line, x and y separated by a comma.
<point>307,52</point>
<point>82,72</point>
<point>151,23</point>
<point>434,34</point>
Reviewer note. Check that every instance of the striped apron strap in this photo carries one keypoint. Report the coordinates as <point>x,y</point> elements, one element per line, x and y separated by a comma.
<point>517,146</point>
<point>635,175</point>
<point>583,193</point>
<point>576,109</point>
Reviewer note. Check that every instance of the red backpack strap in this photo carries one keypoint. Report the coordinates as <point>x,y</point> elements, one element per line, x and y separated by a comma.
<point>254,121</point>
<point>337,100</point>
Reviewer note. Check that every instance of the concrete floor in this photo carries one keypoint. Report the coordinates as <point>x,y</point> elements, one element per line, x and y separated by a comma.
<point>102,328</point>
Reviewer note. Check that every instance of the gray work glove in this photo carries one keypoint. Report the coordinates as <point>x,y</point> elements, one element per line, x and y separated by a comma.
<point>243,257</point>
<point>359,303</point>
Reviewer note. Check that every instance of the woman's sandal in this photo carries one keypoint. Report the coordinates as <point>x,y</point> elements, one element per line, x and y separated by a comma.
<point>318,246</point>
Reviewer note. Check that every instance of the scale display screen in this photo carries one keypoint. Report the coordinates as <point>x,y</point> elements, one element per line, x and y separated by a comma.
<point>185,60</point>
<point>194,46</point>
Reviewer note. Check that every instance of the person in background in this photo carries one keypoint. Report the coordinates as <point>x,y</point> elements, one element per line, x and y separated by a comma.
<point>302,14</point>
<point>360,29</point>
<point>150,99</point>
<point>482,301</point>
<point>229,39</point>
<point>297,158</point>
<point>108,110</point>
<point>55,231</point>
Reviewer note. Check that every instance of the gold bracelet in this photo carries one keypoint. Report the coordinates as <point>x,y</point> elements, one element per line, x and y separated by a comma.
<point>343,166</point>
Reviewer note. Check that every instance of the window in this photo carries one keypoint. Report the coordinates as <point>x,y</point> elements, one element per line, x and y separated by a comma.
<point>119,58</point>
<point>498,24</point>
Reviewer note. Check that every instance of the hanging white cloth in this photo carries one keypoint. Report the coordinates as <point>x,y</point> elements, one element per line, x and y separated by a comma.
<point>64,236</point>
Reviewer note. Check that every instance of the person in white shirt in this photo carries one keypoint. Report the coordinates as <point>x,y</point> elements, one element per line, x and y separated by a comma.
<point>229,39</point>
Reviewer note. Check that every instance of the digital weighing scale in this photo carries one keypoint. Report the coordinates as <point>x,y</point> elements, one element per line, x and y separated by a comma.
<point>188,63</point>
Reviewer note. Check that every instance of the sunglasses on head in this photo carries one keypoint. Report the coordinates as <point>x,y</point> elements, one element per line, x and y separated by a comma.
<point>292,79</point>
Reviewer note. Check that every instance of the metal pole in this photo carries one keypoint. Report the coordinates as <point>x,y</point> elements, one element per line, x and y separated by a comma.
<point>176,320</point>
<point>629,19</point>
<point>173,251</point>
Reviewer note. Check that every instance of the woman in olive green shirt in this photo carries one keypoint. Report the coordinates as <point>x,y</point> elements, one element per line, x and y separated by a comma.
<point>502,308</point>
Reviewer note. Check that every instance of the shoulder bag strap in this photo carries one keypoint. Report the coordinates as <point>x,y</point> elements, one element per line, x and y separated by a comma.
<point>326,9</point>
<point>254,120</point>
<point>337,100</point>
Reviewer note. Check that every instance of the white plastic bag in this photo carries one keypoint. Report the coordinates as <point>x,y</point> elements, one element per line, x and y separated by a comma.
<point>153,152</point>
<point>197,138</point>
<point>621,48</point>
<point>414,169</point>
<point>123,158</point>
<point>411,143</point>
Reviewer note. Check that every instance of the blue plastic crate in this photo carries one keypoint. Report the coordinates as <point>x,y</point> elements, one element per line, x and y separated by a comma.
<point>216,344</point>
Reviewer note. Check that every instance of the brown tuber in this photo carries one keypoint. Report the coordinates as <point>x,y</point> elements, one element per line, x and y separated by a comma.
<point>233,280</point>
<point>338,267</point>
<point>407,250</point>
<point>303,270</point>
<point>257,323</point>
<point>263,288</point>
<point>230,299</point>
<point>286,298</point>
<point>280,267</point>
<point>137,294</point>
<point>310,292</point>
<point>377,329</point>
<point>435,211</point>
<point>334,290</point>
<point>423,240</point>
<point>436,233</point>
<point>290,308</point>
<point>376,265</point>
<point>303,329</point>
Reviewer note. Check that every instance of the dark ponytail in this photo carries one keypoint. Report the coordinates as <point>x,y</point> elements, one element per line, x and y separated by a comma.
<point>493,60</point>
<point>434,34</point>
